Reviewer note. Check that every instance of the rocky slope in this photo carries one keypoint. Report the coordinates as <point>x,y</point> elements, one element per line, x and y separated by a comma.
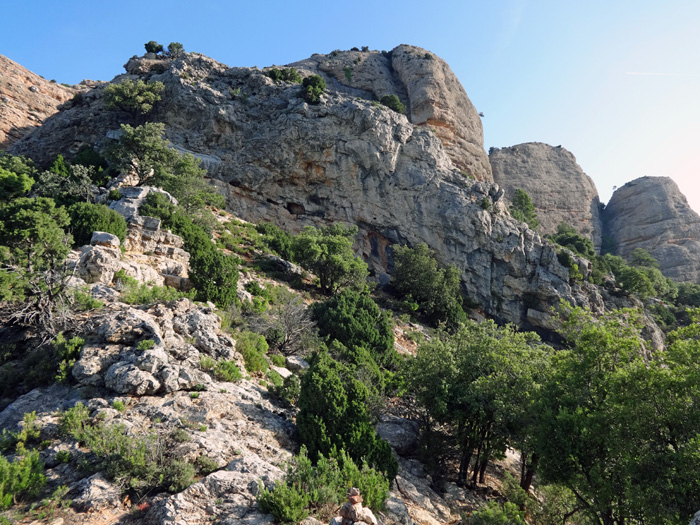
<point>651,213</point>
<point>345,160</point>
<point>26,100</point>
<point>239,429</point>
<point>558,187</point>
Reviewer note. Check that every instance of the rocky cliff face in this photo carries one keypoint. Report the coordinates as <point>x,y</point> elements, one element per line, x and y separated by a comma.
<point>26,100</point>
<point>651,213</point>
<point>349,160</point>
<point>558,187</point>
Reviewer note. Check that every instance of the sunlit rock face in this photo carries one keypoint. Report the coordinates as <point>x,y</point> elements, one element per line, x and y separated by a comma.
<point>558,187</point>
<point>651,213</point>
<point>401,178</point>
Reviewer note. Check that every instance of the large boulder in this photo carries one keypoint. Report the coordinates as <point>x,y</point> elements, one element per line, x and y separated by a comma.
<point>651,213</point>
<point>558,187</point>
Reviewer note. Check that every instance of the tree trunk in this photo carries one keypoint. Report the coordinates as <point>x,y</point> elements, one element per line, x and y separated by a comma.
<point>526,480</point>
<point>482,469</point>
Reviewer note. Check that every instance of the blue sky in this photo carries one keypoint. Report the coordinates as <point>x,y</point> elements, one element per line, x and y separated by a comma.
<point>617,83</point>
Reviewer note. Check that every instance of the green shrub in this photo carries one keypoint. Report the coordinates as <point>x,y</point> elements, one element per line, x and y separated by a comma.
<point>214,274</point>
<point>312,89</point>
<point>194,395</point>
<point>145,344</point>
<point>278,360</point>
<point>327,252</point>
<point>496,514</point>
<point>289,391</point>
<point>286,74</point>
<point>14,184</point>
<point>333,414</point>
<point>114,195</point>
<point>418,278</point>
<point>119,406</point>
<point>278,240</point>
<point>207,362</point>
<point>523,210</point>
<point>322,487</point>
<point>393,102</point>
<point>355,320</point>
<point>175,49</point>
<point>84,302</point>
<point>206,465</point>
<point>133,97</point>
<point>63,456</point>
<point>133,292</point>
<point>253,348</point>
<point>87,218</point>
<point>227,371</point>
<point>180,475</point>
<point>67,353</point>
<point>274,378</point>
<point>21,477</point>
<point>286,503</point>
<point>485,204</point>
<point>153,47</point>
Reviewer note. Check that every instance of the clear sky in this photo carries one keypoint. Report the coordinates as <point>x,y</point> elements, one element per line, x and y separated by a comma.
<point>615,82</point>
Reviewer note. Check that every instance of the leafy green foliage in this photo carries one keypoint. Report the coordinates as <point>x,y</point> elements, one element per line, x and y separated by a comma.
<point>619,429</point>
<point>480,382</point>
<point>523,210</point>
<point>140,462</point>
<point>21,477</point>
<point>327,252</point>
<point>175,50</point>
<point>141,150</point>
<point>253,348</point>
<point>355,320</point>
<point>498,514</point>
<point>153,47</point>
<point>393,102</point>
<point>87,218</point>
<point>568,237</point>
<point>67,353</point>
<point>73,186</point>
<point>137,98</point>
<point>278,240</point>
<point>289,391</point>
<point>227,371</point>
<point>133,292</point>
<point>32,229</point>
<point>286,74</point>
<point>184,180</point>
<point>333,414</point>
<point>322,487</point>
<point>13,185</point>
<point>417,277</point>
<point>312,89</point>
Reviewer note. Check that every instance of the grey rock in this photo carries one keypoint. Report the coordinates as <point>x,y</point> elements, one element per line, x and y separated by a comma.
<point>696,519</point>
<point>94,494</point>
<point>125,378</point>
<point>105,239</point>
<point>296,363</point>
<point>651,213</point>
<point>98,264</point>
<point>558,187</point>
<point>402,434</point>
<point>283,372</point>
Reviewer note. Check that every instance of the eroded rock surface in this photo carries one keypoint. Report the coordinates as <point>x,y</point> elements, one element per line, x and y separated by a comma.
<point>651,213</point>
<point>277,158</point>
<point>558,187</point>
<point>26,100</point>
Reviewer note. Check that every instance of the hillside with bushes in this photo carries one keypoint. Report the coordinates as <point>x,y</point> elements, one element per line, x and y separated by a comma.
<point>231,295</point>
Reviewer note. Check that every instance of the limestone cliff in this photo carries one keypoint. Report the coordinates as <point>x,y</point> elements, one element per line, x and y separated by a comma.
<point>558,187</point>
<point>26,100</point>
<point>346,159</point>
<point>651,213</point>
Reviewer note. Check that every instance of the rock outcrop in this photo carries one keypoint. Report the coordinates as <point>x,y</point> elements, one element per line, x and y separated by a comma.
<point>651,213</point>
<point>26,100</point>
<point>277,158</point>
<point>558,187</point>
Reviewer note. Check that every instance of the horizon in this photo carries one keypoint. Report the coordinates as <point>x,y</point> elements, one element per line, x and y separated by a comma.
<point>614,85</point>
